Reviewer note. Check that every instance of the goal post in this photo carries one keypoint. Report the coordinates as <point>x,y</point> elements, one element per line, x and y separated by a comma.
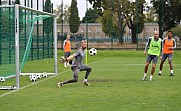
<point>31,43</point>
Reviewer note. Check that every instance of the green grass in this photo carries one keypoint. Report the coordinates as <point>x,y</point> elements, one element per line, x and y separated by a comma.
<point>115,85</point>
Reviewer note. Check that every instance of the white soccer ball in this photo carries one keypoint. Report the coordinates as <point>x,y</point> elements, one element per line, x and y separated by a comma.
<point>44,74</point>
<point>38,76</point>
<point>92,51</point>
<point>2,79</point>
<point>62,57</point>
<point>33,77</point>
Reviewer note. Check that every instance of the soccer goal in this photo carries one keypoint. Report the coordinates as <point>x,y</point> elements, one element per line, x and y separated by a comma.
<point>28,44</point>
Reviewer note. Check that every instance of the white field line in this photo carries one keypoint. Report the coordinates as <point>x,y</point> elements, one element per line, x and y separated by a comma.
<point>33,83</point>
<point>2,95</point>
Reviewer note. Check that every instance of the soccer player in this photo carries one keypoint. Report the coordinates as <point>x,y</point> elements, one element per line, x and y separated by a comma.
<point>77,65</point>
<point>155,48</point>
<point>168,45</point>
<point>67,49</point>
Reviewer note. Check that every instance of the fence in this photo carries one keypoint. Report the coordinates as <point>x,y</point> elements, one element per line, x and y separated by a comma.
<point>112,43</point>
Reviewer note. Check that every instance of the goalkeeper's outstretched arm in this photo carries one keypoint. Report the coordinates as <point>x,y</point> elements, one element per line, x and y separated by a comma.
<point>62,60</point>
<point>70,57</point>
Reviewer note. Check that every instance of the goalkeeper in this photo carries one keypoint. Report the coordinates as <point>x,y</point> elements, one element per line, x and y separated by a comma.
<point>77,65</point>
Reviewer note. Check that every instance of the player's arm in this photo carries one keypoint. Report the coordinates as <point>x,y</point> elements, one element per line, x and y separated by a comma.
<point>73,55</point>
<point>174,45</point>
<point>161,49</point>
<point>62,60</point>
<point>64,42</point>
<point>147,45</point>
<point>70,57</point>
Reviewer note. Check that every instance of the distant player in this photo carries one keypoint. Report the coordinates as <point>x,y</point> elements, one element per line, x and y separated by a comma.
<point>67,49</point>
<point>77,65</point>
<point>155,49</point>
<point>168,45</point>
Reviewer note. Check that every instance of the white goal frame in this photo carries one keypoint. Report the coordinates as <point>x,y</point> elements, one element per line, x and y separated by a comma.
<point>18,72</point>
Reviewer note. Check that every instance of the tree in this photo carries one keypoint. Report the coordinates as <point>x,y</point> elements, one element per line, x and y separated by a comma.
<point>107,22</point>
<point>74,20</point>
<point>91,15</point>
<point>125,13</point>
<point>120,18</point>
<point>66,13</point>
<point>117,18</point>
<point>150,16</point>
<point>134,16</point>
<point>177,31</point>
<point>168,14</point>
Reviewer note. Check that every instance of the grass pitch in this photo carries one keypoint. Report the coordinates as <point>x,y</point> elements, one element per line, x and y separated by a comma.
<point>115,85</point>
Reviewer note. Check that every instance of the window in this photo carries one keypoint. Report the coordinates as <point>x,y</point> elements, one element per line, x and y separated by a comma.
<point>90,30</point>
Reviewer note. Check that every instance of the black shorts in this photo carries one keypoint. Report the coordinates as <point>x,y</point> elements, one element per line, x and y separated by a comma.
<point>152,58</point>
<point>164,57</point>
<point>67,54</point>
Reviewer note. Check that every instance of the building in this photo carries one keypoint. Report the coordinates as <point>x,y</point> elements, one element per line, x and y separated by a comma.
<point>95,30</point>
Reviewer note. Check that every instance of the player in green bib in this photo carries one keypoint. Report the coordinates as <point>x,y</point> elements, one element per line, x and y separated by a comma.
<point>154,47</point>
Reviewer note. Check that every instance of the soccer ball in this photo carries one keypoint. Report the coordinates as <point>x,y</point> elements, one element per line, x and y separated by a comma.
<point>33,77</point>
<point>44,74</point>
<point>62,57</point>
<point>2,79</point>
<point>38,76</point>
<point>92,51</point>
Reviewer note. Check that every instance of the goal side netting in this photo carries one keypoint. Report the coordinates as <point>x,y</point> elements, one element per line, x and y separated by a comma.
<point>28,44</point>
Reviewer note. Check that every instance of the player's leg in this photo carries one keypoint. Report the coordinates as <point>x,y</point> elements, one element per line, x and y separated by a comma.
<point>75,77</point>
<point>148,60</point>
<point>170,63</point>
<point>152,71</point>
<point>155,59</point>
<point>146,67</point>
<point>164,57</point>
<point>88,70</point>
<point>66,55</point>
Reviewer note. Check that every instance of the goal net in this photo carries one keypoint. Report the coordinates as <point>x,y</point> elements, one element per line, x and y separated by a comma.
<point>28,44</point>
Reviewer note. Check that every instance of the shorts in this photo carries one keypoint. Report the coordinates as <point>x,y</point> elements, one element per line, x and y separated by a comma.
<point>67,54</point>
<point>152,58</point>
<point>164,57</point>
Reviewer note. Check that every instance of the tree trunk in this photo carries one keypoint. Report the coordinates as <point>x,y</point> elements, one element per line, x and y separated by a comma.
<point>133,34</point>
<point>120,27</point>
<point>160,30</point>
